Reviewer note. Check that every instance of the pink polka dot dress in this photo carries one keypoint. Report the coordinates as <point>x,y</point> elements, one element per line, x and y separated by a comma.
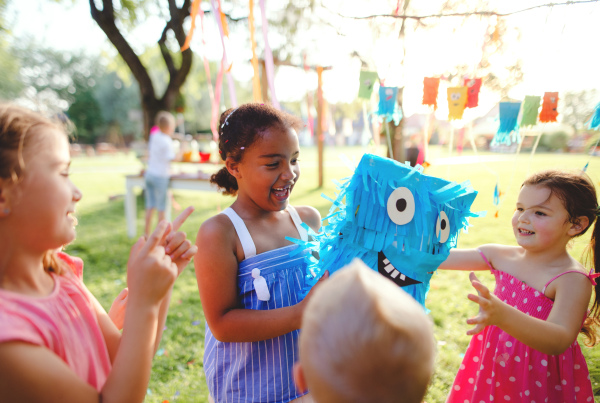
<point>499,368</point>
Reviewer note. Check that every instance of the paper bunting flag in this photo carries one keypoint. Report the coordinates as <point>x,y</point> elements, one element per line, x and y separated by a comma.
<point>367,81</point>
<point>430,91</point>
<point>508,132</point>
<point>397,220</point>
<point>595,120</point>
<point>549,107</point>
<point>531,105</point>
<point>457,100</point>
<point>473,87</point>
<point>388,107</point>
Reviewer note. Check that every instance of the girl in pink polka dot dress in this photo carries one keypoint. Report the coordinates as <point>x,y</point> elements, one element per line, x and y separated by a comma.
<point>524,347</point>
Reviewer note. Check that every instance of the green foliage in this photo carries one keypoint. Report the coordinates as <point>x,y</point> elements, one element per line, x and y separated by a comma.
<point>10,85</point>
<point>85,113</point>
<point>556,141</point>
<point>593,140</point>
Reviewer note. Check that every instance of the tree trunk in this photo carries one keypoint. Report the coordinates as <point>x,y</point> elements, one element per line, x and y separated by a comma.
<point>151,104</point>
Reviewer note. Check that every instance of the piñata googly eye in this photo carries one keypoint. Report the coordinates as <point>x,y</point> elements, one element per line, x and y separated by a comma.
<point>401,206</point>
<point>442,227</point>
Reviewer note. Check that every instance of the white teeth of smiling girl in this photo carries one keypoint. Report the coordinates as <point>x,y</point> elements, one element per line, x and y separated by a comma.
<point>525,232</point>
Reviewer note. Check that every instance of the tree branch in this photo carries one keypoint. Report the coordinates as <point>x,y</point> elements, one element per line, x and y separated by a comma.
<point>176,76</point>
<point>105,19</point>
<point>465,14</point>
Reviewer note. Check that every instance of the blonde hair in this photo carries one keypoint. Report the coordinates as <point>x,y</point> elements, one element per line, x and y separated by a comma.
<point>18,130</point>
<point>165,120</point>
<point>364,339</point>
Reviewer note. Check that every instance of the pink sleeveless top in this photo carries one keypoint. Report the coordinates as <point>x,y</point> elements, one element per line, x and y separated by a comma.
<point>64,322</point>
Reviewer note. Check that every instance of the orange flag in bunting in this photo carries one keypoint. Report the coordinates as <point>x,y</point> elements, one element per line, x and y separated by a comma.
<point>549,107</point>
<point>430,91</point>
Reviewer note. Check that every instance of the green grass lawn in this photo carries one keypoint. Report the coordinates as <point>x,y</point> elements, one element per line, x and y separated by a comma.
<point>177,372</point>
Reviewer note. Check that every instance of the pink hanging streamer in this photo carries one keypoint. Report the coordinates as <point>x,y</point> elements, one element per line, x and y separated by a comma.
<point>214,105</point>
<point>269,66</point>
<point>216,7</point>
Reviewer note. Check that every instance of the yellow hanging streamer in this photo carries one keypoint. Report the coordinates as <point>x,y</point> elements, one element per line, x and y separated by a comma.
<point>256,91</point>
<point>193,13</point>
<point>224,21</point>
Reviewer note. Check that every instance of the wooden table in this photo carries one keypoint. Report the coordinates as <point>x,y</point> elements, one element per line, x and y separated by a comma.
<point>176,182</point>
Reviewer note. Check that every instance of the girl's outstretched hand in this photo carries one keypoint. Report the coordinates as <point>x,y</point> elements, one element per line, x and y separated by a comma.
<point>489,306</point>
<point>177,246</point>
<point>150,271</point>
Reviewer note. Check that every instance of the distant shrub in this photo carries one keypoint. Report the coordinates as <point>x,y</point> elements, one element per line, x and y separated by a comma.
<point>591,142</point>
<point>556,141</point>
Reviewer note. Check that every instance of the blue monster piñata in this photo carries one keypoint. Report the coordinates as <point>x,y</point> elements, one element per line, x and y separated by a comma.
<point>399,221</point>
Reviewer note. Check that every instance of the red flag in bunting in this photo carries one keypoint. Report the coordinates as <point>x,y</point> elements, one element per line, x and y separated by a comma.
<point>430,91</point>
<point>473,86</point>
<point>549,107</point>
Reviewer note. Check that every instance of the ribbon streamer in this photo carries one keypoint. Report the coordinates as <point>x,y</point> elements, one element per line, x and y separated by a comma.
<point>256,90</point>
<point>216,7</point>
<point>193,13</point>
<point>269,66</point>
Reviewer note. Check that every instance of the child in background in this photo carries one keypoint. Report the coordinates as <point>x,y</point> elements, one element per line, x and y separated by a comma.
<point>249,276</point>
<point>57,344</point>
<point>364,339</point>
<point>524,345</point>
<point>158,172</point>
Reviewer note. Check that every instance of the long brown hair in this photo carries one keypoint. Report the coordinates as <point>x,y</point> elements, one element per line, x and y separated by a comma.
<point>578,194</point>
<point>18,130</point>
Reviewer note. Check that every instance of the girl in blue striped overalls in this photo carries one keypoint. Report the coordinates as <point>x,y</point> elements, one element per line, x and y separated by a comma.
<point>250,277</point>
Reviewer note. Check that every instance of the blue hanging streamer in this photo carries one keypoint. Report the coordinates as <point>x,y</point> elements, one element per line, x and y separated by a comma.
<point>594,122</point>
<point>496,196</point>
<point>508,131</point>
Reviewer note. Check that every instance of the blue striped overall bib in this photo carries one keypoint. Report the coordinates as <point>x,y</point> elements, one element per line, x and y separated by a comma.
<point>259,371</point>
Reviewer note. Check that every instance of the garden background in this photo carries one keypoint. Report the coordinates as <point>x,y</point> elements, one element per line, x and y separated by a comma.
<point>177,373</point>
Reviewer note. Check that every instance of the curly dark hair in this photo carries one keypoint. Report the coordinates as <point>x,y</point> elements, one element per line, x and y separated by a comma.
<point>578,195</point>
<point>239,128</point>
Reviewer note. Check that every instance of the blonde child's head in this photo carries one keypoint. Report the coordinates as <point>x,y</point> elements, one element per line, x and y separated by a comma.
<point>364,339</point>
<point>24,133</point>
<point>165,122</point>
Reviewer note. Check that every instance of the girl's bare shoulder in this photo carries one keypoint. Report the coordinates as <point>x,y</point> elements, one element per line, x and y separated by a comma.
<point>310,216</point>
<point>497,253</point>
<point>217,227</point>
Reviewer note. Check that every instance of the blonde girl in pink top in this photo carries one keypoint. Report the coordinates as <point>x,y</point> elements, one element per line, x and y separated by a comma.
<point>524,346</point>
<point>57,344</point>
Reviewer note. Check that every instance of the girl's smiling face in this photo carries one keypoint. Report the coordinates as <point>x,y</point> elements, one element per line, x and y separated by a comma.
<point>44,200</point>
<point>269,169</point>
<point>540,220</point>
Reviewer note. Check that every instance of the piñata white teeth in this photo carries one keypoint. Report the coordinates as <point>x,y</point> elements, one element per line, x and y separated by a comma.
<point>387,269</point>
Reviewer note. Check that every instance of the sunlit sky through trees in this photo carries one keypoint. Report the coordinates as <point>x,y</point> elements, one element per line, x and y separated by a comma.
<point>556,45</point>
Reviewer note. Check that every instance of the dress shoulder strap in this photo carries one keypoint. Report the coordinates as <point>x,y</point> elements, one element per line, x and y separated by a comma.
<point>242,232</point>
<point>485,259</point>
<point>298,223</point>
<point>589,276</point>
